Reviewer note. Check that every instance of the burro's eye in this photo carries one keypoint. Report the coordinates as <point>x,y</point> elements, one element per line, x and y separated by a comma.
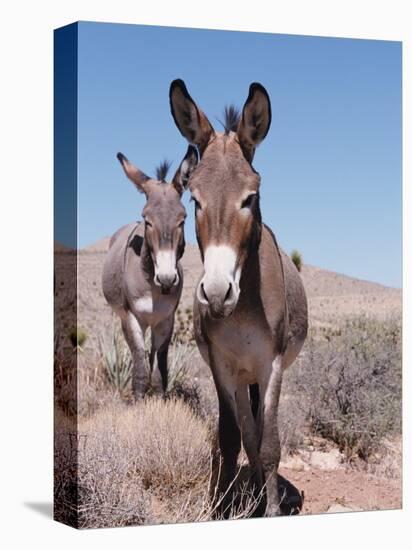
<point>248,201</point>
<point>181,224</point>
<point>147,224</point>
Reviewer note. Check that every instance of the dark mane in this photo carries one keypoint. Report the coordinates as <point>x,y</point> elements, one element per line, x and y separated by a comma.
<point>162,170</point>
<point>231,118</point>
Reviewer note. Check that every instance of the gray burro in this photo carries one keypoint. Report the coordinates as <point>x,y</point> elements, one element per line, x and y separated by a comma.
<point>142,277</point>
<point>250,308</point>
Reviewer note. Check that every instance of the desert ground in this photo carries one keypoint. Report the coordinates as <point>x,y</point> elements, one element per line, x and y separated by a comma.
<point>340,412</point>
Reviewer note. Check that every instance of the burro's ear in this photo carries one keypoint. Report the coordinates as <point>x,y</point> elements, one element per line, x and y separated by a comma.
<point>134,174</point>
<point>255,121</point>
<point>190,120</point>
<point>188,164</point>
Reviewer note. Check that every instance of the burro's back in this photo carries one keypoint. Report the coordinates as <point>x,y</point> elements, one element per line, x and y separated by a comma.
<point>296,303</point>
<point>115,262</point>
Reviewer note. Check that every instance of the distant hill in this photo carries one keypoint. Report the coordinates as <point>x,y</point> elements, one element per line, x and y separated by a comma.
<point>99,246</point>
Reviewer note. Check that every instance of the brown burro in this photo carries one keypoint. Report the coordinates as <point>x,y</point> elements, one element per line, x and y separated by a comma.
<point>250,308</point>
<point>142,277</point>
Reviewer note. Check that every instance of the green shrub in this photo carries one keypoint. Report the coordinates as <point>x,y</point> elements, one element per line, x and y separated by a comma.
<point>78,337</point>
<point>296,258</point>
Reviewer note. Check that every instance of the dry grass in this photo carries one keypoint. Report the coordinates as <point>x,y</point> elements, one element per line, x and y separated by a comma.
<point>148,463</point>
<point>137,457</point>
<point>168,445</point>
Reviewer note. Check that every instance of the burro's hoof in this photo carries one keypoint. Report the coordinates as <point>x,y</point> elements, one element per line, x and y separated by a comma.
<point>272,511</point>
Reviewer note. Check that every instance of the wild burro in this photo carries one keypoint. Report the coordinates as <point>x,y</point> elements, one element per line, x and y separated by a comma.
<point>250,308</point>
<point>142,276</point>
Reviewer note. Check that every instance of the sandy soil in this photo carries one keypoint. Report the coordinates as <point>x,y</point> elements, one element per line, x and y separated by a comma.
<point>351,490</point>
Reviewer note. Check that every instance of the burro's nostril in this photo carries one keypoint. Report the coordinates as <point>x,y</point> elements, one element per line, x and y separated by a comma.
<point>228,293</point>
<point>204,295</point>
<point>175,280</point>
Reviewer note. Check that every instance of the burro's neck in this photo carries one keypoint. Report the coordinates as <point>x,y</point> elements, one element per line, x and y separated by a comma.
<point>250,277</point>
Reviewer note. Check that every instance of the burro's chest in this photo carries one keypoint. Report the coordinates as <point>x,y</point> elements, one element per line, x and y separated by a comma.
<point>243,336</point>
<point>154,307</point>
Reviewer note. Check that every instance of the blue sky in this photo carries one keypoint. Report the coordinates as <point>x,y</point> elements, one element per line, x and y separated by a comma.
<point>331,165</point>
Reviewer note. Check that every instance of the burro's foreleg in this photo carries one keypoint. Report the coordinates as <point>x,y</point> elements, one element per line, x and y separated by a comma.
<point>269,387</point>
<point>250,441</point>
<point>134,335</point>
<point>161,336</point>
<point>229,431</point>
<point>249,432</point>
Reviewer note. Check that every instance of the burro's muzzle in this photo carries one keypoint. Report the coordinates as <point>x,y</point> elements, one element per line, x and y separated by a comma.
<point>219,287</point>
<point>166,274</point>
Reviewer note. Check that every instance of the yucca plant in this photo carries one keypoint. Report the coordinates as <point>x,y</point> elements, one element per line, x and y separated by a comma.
<point>179,360</point>
<point>117,361</point>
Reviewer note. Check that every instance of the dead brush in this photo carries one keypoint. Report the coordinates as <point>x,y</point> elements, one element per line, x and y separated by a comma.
<point>144,464</point>
<point>167,443</point>
<point>350,385</point>
<point>132,456</point>
<point>109,493</point>
<point>202,503</point>
<point>65,478</point>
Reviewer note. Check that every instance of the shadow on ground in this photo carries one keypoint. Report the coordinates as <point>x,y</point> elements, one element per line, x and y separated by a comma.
<point>291,502</point>
<point>43,508</point>
<point>291,499</point>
